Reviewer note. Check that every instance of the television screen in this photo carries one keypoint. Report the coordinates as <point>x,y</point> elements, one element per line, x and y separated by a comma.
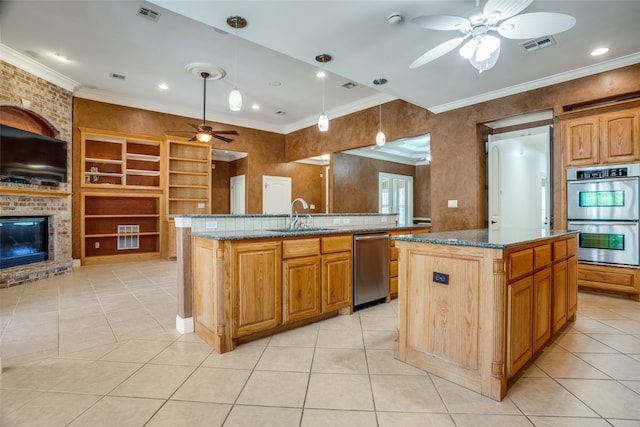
<point>30,158</point>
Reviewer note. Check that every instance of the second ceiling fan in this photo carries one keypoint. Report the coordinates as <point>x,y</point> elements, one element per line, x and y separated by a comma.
<point>500,16</point>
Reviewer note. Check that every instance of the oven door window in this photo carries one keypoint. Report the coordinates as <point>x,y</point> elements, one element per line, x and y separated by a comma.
<point>614,242</point>
<point>601,199</point>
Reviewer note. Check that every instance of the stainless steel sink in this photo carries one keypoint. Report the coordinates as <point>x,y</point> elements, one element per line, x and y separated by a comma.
<point>298,230</point>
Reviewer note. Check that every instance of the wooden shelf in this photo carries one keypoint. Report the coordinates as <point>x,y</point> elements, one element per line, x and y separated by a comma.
<point>186,159</point>
<point>115,159</point>
<point>187,199</point>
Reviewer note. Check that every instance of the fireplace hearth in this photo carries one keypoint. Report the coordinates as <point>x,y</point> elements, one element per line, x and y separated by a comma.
<point>23,240</point>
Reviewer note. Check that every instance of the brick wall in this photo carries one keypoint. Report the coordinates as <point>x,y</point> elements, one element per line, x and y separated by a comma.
<point>54,104</point>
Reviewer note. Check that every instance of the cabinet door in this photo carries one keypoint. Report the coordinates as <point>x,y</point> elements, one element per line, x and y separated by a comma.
<point>572,287</point>
<point>256,284</point>
<point>337,287</point>
<point>559,296</point>
<point>619,139</point>
<point>541,308</point>
<point>580,141</point>
<point>301,288</point>
<point>520,327</point>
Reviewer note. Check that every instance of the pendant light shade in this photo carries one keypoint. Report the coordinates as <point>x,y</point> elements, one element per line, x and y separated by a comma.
<point>482,51</point>
<point>235,98</point>
<point>380,138</point>
<point>323,120</point>
<point>323,123</point>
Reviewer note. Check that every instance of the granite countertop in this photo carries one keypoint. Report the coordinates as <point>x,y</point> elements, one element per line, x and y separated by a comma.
<point>266,234</point>
<point>484,238</point>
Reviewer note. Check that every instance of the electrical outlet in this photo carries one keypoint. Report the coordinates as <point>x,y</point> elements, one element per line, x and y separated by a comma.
<point>211,225</point>
<point>97,245</point>
<point>312,206</point>
<point>200,205</point>
<point>440,278</point>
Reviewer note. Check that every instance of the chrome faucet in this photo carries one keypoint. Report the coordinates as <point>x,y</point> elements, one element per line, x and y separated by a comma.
<point>292,222</point>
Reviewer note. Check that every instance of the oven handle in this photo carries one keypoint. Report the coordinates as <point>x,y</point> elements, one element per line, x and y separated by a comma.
<point>579,181</point>
<point>602,222</point>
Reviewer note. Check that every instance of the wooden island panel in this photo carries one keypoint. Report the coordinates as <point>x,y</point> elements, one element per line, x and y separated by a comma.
<point>476,315</point>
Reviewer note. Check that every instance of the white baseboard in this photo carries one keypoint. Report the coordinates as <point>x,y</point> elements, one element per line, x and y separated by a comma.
<point>184,326</point>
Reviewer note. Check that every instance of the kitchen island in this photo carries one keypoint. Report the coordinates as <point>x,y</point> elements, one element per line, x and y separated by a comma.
<point>474,306</point>
<point>252,276</point>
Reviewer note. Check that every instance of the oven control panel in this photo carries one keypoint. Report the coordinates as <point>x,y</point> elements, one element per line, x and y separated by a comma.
<point>601,173</point>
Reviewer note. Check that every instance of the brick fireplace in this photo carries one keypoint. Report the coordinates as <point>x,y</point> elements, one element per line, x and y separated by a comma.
<point>40,104</point>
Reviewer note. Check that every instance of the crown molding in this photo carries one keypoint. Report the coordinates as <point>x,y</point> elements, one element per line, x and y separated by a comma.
<point>536,84</point>
<point>32,66</point>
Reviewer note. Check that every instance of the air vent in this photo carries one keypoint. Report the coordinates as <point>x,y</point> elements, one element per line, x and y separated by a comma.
<point>349,85</point>
<point>281,113</point>
<point>149,14</point>
<point>539,43</point>
<point>117,76</point>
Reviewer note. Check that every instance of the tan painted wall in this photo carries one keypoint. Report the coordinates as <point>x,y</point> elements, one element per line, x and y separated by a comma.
<point>458,159</point>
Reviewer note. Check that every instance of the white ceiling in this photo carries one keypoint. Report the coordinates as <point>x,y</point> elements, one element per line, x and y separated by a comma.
<point>280,43</point>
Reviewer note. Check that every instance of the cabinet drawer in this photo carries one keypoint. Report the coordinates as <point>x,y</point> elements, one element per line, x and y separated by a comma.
<point>302,247</point>
<point>393,269</point>
<point>336,244</point>
<point>521,263</point>
<point>559,250</point>
<point>541,256</point>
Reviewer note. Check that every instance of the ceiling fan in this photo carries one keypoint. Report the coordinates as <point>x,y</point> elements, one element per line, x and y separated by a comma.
<point>482,49</point>
<point>204,132</point>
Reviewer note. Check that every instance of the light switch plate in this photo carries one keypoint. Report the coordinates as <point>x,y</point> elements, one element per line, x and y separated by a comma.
<point>452,203</point>
<point>200,205</point>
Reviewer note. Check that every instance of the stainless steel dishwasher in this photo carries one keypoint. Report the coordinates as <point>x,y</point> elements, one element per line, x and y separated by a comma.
<point>370,269</point>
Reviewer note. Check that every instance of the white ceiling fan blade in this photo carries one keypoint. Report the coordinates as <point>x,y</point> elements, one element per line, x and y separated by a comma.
<point>497,10</point>
<point>437,52</point>
<point>441,22</point>
<point>532,25</point>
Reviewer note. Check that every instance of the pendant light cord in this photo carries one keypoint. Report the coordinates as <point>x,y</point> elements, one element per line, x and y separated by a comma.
<point>235,59</point>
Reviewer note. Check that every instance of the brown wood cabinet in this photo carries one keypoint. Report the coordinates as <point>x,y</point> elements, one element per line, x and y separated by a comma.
<point>521,309</point>
<point>542,308</point>
<point>606,138</point>
<point>337,272</point>
<point>623,281</point>
<point>393,259</point>
<point>256,287</point>
<point>301,272</point>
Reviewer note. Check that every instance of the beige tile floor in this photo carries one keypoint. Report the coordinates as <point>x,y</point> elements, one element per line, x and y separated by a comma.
<point>98,347</point>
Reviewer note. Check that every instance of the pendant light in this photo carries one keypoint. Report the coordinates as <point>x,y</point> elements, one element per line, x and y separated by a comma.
<point>380,138</point>
<point>235,98</point>
<point>323,120</point>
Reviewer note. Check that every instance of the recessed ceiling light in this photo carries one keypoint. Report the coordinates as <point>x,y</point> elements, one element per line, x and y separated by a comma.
<point>163,86</point>
<point>61,57</point>
<point>255,107</point>
<point>600,51</point>
<point>321,74</point>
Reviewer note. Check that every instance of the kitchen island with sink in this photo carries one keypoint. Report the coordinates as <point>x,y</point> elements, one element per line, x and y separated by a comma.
<point>474,306</point>
<point>244,277</point>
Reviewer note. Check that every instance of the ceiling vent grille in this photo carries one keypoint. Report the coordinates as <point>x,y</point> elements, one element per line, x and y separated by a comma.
<point>539,43</point>
<point>349,85</point>
<point>117,76</point>
<point>281,113</point>
<point>149,14</point>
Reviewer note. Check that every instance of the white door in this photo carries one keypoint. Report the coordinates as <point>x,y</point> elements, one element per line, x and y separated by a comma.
<point>238,195</point>
<point>276,194</point>
<point>519,178</point>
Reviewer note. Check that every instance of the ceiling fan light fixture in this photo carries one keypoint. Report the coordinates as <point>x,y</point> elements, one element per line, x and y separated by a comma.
<point>203,137</point>
<point>483,61</point>
<point>468,49</point>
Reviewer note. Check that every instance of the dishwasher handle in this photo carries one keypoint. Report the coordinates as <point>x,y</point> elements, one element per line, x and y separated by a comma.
<point>374,236</point>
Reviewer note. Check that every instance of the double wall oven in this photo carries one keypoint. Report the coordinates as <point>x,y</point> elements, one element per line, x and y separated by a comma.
<point>603,204</point>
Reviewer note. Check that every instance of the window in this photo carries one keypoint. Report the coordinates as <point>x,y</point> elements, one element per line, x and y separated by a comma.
<point>395,195</point>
